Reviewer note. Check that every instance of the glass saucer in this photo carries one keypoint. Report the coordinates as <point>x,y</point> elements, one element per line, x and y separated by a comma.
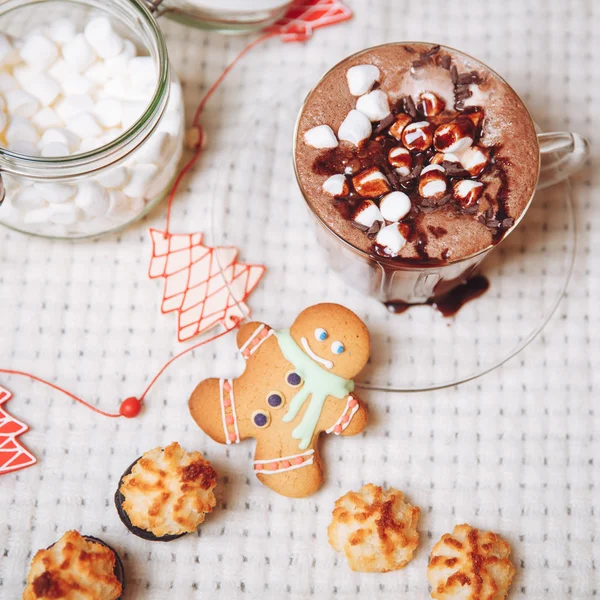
<point>257,206</point>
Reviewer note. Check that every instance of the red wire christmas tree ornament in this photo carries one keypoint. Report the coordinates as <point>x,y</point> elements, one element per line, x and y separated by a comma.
<point>13,455</point>
<point>206,286</point>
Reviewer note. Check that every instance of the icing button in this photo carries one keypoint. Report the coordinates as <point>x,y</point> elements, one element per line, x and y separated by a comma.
<point>338,429</point>
<point>229,419</point>
<point>226,402</point>
<point>298,460</point>
<point>259,467</point>
<point>233,437</point>
<point>264,333</point>
<point>285,464</point>
<point>293,379</point>
<point>275,400</point>
<point>272,466</point>
<point>226,386</point>
<point>353,403</point>
<point>261,418</point>
<point>345,419</point>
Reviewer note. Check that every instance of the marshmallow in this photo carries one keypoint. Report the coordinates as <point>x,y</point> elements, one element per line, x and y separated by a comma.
<point>361,78</point>
<point>114,178</point>
<point>8,83</point>
<point>118,207</point>
<point>371,183</point>
<point>21,103</point>
<point>115,88</point>
<point>85,126</point>
<point>109,112</point>
<point>395,206</point>
<point>37,216</point>
<point>60,71</point>
<point>102,38</point>
<point>90,144</point>
<point>62,136</point>
<point>455,136</point>
<point>25,148</point>
<point>155,149</point>
<point>321,136</point>
<point>439,158</point>
<point>46,118</point>
<point>397,128</point>
<point>77,84</point>
<point>98,73</point>
<point>401,159</point>
<point>55,193</point>
<point>142,72</point>
<point>78,54</point>
<point>38,51</point>
<point>27,199</point>
<point>141,176</point>
<point>355,128</point>
<point>63,214</point>
<point>430,104</point>
<point>24,75</point>
<point>467,192</point>
<point>7,51</point>
<point>391,240</point>
<point>74,105</point>
<point>20,129</point>
<point>367,213</point>
<point>62,30</point>
<point>92,199</point>
<point>418,136</point>
<point>432,183</point>
<point>54,149</point>
<point>374,105</point>
<point>44,88</point>
<point>475,160</point>
<point>173,124</point>
<point>336,185</point>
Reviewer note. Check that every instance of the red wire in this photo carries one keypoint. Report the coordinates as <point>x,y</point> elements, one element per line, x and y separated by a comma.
<point>58,388</point>
<point>196,123</point>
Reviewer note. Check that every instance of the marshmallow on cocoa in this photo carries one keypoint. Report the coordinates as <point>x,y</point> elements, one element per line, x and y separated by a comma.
<point>455,136</point>
<point>401,159</point>
<point>475,159</point>
<point>395,206</point>
<point>374,105</point>
<point>367,213</point>
<point>390,240</point>
<point>371,183</point>
<point>467,192</point>
<point>430,104</point>
<point>355,128</point>
<point>361,78</point>
<point>336,185</point>
<point>397,128</point>
<point>433,183</point>
<point>321,136</point>
<point>418,136</point>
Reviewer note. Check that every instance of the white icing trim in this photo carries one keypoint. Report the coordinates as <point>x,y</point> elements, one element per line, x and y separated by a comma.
<point>254,334</point>
<point>290,468</point>
<point>323,361</point>
<point>227,440</point>
<point>339,421</point>
<point>235,423</point>
<point>255,348</point>
<point>272,460</point>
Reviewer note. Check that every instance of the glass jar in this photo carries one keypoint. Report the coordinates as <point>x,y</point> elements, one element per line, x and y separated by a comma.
<point>105,188</point>
<point>226,16</point>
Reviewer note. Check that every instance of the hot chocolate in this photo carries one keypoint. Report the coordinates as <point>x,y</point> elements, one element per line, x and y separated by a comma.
<point>416,154</point>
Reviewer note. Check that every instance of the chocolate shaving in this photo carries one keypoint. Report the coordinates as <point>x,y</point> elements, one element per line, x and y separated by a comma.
<point>455,169</point>
<point>409,49</point>
<point>433,50</point>
<point>462,92</point>
<point>446,62</point>
<point>360,226</point>
<point>374,229</point>
<point>454,74</point>
<point>508,223</point>
<point>420,62</point>
<point>409,106</point>
<point>391,176</point>
<point>384,124</point>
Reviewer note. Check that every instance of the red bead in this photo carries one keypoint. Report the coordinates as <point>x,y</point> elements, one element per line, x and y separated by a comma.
<point>130,407</point>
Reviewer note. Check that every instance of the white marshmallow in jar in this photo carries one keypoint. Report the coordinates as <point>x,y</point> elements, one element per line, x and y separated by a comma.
<point>91,116</point>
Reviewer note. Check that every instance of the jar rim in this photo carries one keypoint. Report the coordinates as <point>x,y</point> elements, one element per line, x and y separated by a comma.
<point>60,167</point>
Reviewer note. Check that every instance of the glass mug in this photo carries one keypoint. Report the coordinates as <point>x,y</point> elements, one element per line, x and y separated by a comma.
<point>398,283</point>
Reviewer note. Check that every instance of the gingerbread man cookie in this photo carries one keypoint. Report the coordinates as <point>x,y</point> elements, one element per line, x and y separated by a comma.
<point>297,384</point>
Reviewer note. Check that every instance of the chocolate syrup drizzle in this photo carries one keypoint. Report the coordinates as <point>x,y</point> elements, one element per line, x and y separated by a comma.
<point>373,152</point>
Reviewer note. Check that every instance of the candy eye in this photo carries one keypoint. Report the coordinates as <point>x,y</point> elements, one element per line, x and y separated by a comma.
<point>293,379</point>
<point>320,334</point>
<point>337,347</point>
<point>261,418</point>
<point>275,399</point>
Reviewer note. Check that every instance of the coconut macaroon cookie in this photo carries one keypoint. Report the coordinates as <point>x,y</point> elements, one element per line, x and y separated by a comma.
<point>470,564</point>
<point>76,567</point>
<point>166,493</point>
<point>375,529</point>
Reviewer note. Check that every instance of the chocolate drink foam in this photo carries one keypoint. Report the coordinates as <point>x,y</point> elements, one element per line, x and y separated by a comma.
<point>418,79</point>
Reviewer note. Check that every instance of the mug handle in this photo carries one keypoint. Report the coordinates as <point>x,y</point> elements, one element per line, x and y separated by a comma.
<point>563,154</point>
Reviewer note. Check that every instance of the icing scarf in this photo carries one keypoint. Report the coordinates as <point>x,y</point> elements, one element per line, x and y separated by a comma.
<point>318,384</point>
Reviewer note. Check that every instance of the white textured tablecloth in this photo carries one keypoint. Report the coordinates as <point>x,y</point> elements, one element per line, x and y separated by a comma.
<point>516,451</point>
